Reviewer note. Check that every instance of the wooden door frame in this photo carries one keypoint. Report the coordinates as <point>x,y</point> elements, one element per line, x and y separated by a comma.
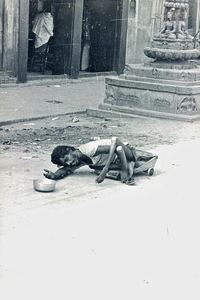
<point>121,36</point>
<point>74,67</point>
<point>2,11</point>
<point>121,27</point>
<point>23,41</point>
<point>75,53</point>
<point>196,16</point>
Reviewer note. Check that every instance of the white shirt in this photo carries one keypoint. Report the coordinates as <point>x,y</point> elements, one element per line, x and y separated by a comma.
<point>43,28</point>
<point>90,149</point>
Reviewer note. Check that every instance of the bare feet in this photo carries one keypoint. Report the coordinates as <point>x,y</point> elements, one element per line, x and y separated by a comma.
<point>130,181</point>
<point>124,176</point>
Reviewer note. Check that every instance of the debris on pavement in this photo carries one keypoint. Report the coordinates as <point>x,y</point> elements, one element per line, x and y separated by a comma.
<point>29,157</point>
<point>54,101</point>
<point>45,136</point>
<point>29,124</point>
<point>95,138</point>
<point>7,143</point>
<point>26,150</point>
<point>75,120</point>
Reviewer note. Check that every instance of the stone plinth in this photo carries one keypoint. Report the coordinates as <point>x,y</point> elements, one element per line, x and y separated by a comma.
<point>172,50</point>
<point>169,87</point>
<point>157,89</point>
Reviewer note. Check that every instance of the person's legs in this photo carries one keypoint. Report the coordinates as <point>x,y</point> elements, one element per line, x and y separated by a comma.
<point>115,172</point>
<point>127,168</point>
<point>131,166</point>
<point>123,163</point>
<point>112,174</point>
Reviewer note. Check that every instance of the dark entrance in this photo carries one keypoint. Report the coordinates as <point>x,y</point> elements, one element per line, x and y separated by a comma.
<point>63,51</point>
<point>99,26</point>
<point>101,35</point>
<point>67,36</point>
<point>39,36</point>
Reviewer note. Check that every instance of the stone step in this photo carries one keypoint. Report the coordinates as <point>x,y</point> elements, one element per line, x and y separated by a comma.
<point>115,111</point>
<point>141,84</point>
<point>155,72</point>
<point>162,81</point>
<point>6,78</point>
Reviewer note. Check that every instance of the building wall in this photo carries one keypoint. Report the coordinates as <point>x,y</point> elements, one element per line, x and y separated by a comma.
<point>9,27</point>
<point>1,34</point>
<point>194,16</point>
<point>145,18</point>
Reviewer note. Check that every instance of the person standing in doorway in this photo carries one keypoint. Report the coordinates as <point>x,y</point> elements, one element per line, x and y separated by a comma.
<point>43,27</point>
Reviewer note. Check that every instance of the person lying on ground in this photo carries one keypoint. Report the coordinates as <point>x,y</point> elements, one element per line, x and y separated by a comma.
<point>101,155</point>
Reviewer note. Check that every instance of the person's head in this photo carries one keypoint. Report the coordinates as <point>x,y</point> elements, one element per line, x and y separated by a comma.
<point>46,7</point>
<point>65,156</point>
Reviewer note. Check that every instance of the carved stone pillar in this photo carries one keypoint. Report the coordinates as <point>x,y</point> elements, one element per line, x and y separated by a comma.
<point>169,86</point>
<point>195,16</point>
<point>173,42</point>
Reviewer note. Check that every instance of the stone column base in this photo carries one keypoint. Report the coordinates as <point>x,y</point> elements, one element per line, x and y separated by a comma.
<point>155,90</point>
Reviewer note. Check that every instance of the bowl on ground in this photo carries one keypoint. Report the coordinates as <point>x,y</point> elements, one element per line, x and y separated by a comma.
<point>44,185</point>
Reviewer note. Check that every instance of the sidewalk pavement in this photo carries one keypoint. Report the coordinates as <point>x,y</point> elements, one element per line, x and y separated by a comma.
<point>39,99</point>
<point>108,241</point>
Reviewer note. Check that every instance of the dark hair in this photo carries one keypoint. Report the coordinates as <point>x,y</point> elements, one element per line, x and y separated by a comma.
<point>60,151</point>
<point>47,7</point>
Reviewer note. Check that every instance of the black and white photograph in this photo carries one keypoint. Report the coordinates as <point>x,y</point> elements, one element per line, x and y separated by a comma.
<point>99,149</point>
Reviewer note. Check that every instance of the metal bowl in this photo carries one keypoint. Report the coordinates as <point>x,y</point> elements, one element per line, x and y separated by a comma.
<point>44,185</point>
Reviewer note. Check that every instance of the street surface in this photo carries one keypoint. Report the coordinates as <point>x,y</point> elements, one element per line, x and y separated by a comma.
<point>106,241</point>
<point>45,98</point>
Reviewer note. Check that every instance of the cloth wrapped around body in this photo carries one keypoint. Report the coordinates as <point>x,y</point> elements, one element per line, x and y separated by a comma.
<point>43,28</point>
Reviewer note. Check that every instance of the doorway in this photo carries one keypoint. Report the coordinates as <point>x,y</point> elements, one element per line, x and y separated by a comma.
<point>88,36</point>
<point>100,35</point>
<point>40,36</point>
<point>58,51</point>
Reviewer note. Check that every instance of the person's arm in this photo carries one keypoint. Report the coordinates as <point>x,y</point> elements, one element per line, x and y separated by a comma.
<point>103,173</point>
<point>124,153</point>
<point>61,172</point>
<point>115,142</point>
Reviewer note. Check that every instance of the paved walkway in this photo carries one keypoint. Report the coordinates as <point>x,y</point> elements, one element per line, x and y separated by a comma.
<point>89,241</point>
<point>44,98</point>
<point>107,241</point>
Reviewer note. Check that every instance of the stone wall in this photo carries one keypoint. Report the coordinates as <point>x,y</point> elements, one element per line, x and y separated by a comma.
<point>1,34</point>
<point>194,16</point>
<point>144,19</point>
